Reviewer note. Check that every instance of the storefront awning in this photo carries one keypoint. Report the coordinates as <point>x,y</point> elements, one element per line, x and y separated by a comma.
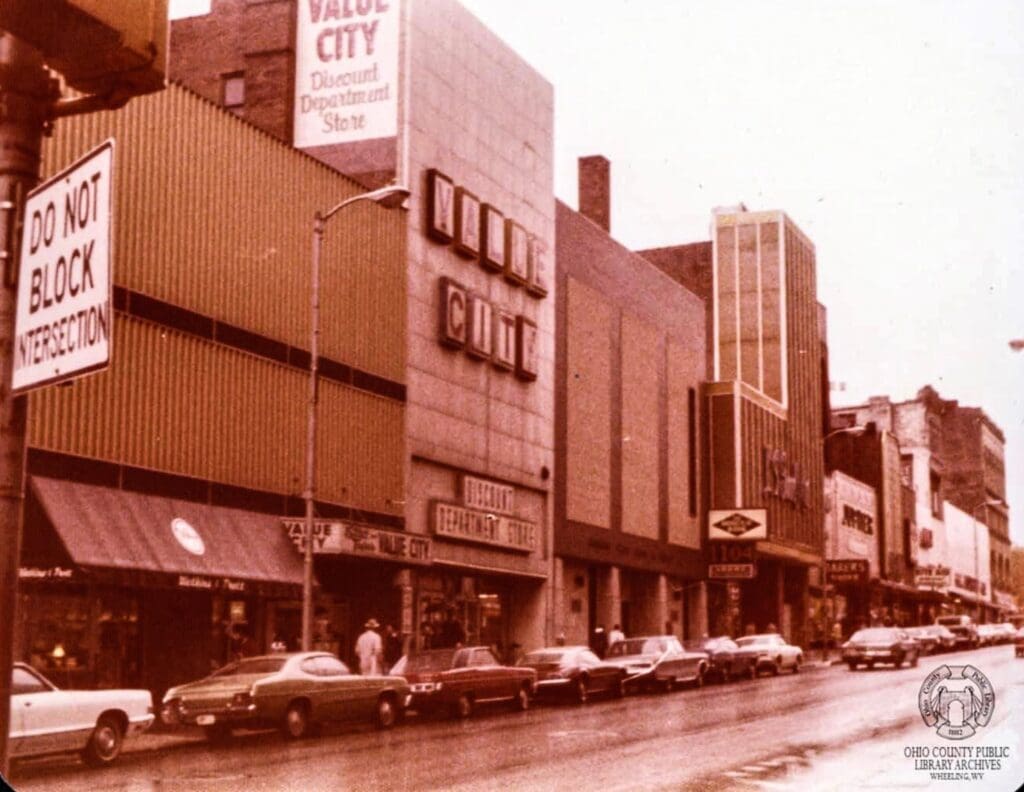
<point>186,544</point>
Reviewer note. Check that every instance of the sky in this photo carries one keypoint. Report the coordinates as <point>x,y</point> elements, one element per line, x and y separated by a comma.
<point>889,132</point>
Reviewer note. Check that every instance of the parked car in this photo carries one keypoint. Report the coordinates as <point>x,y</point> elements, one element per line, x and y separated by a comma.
<point>1018,643</point>
<point>657,661</point>
<point>290,691</point>
<point>1006,632</point>
<point>94,723</point>
<point>946,638</point>
<point>880,645</point>
<point>725,661</point>
<point>575,671</point>
<point>459,679</point>
<point>770,652</point>
<point>988,635</point>
<point>963,628</point>
<point>927,642</point>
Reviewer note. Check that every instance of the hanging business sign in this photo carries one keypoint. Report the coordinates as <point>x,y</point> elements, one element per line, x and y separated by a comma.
<point>737,525</point>
<point>64,321</point>
<point>346,71</point>
<point>847,570</point>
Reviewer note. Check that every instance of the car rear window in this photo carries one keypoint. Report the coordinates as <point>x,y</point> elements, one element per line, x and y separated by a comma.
<point>874,635</point>
<point>637,646</point>
<point>255,665</point>
<point>542,657</point>
<point>434,660</point>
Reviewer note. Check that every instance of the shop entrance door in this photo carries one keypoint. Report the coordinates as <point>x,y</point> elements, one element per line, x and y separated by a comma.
<point>176,638</point>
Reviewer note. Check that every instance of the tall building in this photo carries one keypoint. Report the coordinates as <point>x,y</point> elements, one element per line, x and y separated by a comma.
<point>763,410</point>
<point>630,364</point>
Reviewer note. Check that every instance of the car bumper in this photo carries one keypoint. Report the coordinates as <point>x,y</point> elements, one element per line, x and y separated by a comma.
<point>873,656</point>
<point>235,716</point>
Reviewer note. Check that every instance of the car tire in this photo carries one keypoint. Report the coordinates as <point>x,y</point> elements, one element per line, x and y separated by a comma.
<point>105,742</point>
<point>796,664</point>
<point>463,706</point>
<point>776,666</point>
<point>870,665</point>
<point>218,733</point>
<point>296,723</point>
<point>386,714</point>
<point>898,661</point>
<point>913,661</point>
<point>522,699</point>
<point>668,684</point>
<point>726,676</point>
<point>619,687</point>
<point>752,671</point>
<point>852,665</point>
<point>580,690</point>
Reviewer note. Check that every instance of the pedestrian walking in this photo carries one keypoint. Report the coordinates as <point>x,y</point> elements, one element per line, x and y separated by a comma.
<point>370,649</point>
<point>615,635</point>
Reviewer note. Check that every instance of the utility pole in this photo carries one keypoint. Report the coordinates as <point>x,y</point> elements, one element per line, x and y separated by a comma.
<point>26,94</point>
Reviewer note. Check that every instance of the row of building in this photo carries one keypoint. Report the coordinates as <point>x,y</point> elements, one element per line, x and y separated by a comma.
<point>525,430</point>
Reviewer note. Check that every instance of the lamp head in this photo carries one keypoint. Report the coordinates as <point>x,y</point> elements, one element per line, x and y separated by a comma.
<point>390,197</point>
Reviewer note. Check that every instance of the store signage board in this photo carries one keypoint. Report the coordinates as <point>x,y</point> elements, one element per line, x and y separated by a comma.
<point>346,71</point>
<point>846,570</point>
<point>452,521</point>
<point>732,571</point>
<point>63,325</point>
<point>737,525</point>
<point>356,539</point>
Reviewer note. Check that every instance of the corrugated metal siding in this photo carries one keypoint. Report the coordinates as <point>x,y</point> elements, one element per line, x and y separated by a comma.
<point>176,403</point>
<point>216,216</point>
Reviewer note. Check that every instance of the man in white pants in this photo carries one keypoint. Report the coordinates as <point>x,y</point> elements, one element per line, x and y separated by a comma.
<point>370,650</point>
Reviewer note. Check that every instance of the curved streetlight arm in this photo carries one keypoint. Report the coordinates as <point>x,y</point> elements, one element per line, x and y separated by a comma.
<point>390,197</point>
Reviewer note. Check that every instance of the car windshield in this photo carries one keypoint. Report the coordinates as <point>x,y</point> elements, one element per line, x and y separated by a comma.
<point>537,658</point>
<point>432,660</point>
<point>255,665</point>
<point>950,620</point>
<point>638,646</point>
<point>877,634</point>
<point>755,640</point>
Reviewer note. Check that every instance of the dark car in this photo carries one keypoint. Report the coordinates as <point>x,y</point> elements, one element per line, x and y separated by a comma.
<point>725,658</point>
<point>880,645</point>
<point>573,671</point>
<point>963,627</point>
<point>289,691</point>
<point>458,679</point>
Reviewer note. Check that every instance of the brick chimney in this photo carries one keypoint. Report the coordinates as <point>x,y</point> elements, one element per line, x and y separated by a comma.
<point>595,190</point>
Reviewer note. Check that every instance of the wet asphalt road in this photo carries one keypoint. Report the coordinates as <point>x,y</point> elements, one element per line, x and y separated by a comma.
<point>712,738</point>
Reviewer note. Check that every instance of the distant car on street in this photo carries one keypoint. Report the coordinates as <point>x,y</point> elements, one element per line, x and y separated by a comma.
<point>93,723</point>
<point>459,679</point>
<point>989,635</point>
<point>770,652</point>
<point>573,671</point>
<point>880,645</point>
<point>725,659</point>
<point>657,661</point>
<point>963,628</point>
<point>933,638</point>
<point>288,691</point>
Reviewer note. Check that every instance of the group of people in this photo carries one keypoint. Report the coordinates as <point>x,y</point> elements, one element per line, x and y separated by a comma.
<point>600,641</point>
<point>377,653</point>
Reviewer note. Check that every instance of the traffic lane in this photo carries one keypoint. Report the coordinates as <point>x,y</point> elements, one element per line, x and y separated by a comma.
<point>647,741</point>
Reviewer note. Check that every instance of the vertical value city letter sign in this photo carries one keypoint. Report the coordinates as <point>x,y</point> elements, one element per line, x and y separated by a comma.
<point>64,320</point>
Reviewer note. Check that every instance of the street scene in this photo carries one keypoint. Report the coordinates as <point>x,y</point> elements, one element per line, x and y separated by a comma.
<point>395,395</point>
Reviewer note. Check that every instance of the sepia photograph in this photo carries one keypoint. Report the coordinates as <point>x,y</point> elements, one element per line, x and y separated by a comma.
<point>470,395</point>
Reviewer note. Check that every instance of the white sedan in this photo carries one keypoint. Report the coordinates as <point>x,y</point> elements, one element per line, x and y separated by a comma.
<point>94,723</point>
<point>770,652</point>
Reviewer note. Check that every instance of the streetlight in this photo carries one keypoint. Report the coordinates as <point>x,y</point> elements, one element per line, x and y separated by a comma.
<point>977,576</point>
<point>389,197</point>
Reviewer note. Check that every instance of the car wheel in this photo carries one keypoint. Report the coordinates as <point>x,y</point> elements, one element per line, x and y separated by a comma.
<point>387,712</point>
<point>105,742</point>
<point>776,666</point>
<point>581,690</point>
<point>701,678</point>
<point>852,665</point>
<point>726,676</point>
<point>522,699</point>
<point>913,661</point>
<point>870,664</point>
<point>752,671</point>
<point>218,733</point>
<point>295,724</point>
<point>619,687</point>
<point>463,707</point>
<point>796,664</point>
<point>898,661</point>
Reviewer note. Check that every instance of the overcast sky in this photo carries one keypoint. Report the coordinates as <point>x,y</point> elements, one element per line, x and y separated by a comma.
<point>889,132</point>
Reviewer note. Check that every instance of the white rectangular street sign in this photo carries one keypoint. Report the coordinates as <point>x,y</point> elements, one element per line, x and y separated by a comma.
<point>64,321</point>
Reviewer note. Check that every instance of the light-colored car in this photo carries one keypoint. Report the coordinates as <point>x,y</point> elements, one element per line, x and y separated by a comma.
<point>988,635</point>
<point>770,652</point>
<point>657,661</point>
<point>94,723</point>
<point>289,691</point>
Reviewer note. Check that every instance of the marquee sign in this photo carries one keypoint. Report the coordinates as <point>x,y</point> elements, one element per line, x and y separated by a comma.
<point>356,539</point>
<point>452,521</point>
<point>847,570</point>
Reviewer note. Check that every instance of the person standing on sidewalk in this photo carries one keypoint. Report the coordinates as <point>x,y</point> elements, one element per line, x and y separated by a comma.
<point>370,650</point>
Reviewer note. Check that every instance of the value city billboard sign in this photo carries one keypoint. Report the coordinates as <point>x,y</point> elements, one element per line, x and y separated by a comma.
<point>64,321</point>
<point>346,71</point>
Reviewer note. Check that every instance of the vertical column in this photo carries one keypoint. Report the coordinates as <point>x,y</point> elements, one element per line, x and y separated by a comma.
<point>660,613</point>
<point>697,621</point>
<point>558,617</point>
<point>26,91</point>
<point>609,598</point>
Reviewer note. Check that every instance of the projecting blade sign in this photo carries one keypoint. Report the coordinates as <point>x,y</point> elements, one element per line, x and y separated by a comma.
<point>737,524</point>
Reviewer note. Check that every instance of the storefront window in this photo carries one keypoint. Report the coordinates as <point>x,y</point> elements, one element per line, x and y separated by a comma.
<point>59,637</point>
